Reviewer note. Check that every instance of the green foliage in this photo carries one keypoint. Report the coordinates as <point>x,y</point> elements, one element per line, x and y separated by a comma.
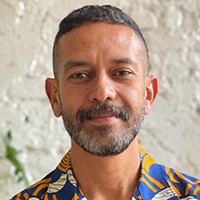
<point>11,154</point>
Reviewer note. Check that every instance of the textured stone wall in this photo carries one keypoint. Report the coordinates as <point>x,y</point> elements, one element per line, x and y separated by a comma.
<point>170,133</point>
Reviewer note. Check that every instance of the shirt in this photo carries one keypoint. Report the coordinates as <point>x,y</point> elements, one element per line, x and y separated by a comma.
<point>156,182</point>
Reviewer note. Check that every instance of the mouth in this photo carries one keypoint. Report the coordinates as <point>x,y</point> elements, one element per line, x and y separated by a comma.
<point>103,119</point>
<point>103,115</point>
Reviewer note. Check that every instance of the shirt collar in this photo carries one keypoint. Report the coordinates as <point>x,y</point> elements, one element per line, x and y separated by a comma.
<point>151,181</point>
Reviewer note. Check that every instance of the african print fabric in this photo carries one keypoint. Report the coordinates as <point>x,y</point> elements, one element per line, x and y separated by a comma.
<point>156,182</point>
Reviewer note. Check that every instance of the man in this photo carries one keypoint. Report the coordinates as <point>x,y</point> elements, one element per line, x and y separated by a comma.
<point>102,89</point>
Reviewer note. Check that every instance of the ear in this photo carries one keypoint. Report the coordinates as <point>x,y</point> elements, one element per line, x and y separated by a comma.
<point>150,92</point>
<point>51,87</point>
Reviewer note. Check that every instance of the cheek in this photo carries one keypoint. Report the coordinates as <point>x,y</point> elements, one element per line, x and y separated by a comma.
<point>133,95</point>
<point>71,101</point>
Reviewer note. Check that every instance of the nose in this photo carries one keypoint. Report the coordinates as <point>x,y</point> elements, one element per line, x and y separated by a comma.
<point>102,89</point>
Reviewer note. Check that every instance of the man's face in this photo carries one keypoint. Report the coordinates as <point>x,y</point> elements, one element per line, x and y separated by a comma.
<point>101,86</point>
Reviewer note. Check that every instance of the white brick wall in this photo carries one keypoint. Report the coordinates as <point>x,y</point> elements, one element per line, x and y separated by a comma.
<point>27,29</point>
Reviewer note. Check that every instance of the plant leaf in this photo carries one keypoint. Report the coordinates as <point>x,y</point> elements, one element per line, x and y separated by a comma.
<point>11,154</point>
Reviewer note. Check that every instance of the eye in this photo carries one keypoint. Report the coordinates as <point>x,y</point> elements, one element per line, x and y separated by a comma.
<point>79,75</point>
<point>122,72</point>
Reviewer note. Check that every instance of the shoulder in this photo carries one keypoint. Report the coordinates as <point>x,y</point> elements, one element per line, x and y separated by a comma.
<point>60,182</point>
<point>37,190</point>
<point>183,184</point>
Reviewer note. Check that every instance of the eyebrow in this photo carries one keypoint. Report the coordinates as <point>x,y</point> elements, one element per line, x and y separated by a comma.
<point>75,63</point>
<point>124,60</point>
<point>80,63</point>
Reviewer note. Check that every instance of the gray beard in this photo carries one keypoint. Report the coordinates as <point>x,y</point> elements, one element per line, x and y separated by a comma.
<point>104,140</point>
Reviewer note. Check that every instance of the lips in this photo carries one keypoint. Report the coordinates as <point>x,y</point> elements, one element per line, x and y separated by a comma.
<point>102,119</point>
<point>103,115</point>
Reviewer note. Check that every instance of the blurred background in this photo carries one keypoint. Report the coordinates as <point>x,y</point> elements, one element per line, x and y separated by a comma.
<point>37,140</point>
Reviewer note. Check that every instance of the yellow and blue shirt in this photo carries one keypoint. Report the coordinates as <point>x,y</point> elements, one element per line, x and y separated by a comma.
<point>156,182</point>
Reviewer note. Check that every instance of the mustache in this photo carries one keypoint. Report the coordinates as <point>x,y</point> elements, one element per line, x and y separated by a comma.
<point>103,108</point>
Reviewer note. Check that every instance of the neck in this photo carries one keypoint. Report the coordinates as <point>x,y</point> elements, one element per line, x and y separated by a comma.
<point>112,177</point>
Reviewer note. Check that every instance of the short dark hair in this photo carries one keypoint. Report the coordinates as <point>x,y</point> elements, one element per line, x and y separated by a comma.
<point>92,14</point>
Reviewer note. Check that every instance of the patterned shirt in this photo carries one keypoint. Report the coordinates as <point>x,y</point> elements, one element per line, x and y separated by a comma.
<point>156,182</point>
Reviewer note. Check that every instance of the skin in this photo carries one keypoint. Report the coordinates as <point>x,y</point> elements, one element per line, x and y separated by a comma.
<point>101,62</point>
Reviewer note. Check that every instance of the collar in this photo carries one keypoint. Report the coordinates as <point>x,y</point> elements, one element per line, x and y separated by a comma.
<point>152,183</point>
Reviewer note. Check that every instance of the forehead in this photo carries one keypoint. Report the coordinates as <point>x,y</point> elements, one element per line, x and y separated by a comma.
<point>104,29</point>
<point>101,38</point>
